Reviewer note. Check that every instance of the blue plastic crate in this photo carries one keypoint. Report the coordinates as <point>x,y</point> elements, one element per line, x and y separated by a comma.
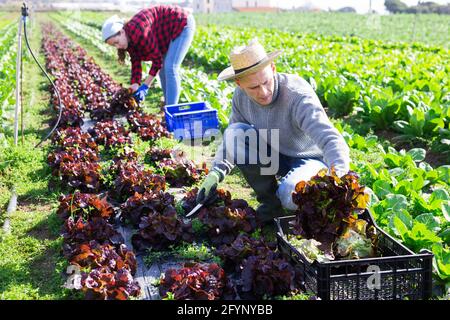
<point>191,120</point>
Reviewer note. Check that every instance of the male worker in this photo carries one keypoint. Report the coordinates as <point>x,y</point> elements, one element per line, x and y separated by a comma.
<point>290,125</point>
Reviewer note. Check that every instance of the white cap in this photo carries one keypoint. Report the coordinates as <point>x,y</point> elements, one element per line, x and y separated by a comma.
<point>111,26</point>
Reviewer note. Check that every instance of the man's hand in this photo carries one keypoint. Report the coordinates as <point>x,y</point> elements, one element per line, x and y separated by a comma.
<point>208,187</point>
<point>141,92</point>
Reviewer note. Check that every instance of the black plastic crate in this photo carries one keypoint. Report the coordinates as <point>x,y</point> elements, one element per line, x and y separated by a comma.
<point>402,274</point>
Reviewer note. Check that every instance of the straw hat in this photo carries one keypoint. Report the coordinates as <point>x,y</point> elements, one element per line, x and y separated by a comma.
<point>247,59</point>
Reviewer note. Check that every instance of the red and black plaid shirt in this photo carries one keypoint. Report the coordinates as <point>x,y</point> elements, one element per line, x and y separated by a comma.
<point>149,34</point>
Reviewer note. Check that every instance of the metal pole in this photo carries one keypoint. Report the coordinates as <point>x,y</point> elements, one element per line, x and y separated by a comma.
<point>11,209</point>
<point>18,71</point>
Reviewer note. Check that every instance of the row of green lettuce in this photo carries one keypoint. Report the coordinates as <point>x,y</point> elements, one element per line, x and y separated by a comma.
<point>8,52</point>
<point>430,29</point>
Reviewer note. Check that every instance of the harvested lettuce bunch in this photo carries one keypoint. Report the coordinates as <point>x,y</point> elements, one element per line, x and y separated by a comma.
<point>353,243</point>
<point>356,242</point>
<point>326,204</point>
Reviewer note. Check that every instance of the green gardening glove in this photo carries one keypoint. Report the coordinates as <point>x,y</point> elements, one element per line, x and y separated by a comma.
<point>208,188</point>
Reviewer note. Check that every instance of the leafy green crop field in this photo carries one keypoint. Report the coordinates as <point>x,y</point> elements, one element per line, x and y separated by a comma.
<point>398,87</point>
<point>384,84</point>
<point>428,29</point>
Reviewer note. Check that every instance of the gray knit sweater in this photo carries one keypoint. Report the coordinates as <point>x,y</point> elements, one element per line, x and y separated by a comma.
<point>304,127</point>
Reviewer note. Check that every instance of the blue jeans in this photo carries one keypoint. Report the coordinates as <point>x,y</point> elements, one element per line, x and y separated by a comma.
<point>290,169</point>
<point>169,73</point>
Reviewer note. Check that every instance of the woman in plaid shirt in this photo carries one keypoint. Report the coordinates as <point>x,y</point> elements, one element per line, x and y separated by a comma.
<point>160,34</point>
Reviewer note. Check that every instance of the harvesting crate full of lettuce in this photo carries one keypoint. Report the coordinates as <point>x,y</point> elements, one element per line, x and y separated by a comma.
<point>335,242</point>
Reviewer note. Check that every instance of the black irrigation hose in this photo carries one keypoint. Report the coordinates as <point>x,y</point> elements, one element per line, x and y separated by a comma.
<point>52,83</point>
